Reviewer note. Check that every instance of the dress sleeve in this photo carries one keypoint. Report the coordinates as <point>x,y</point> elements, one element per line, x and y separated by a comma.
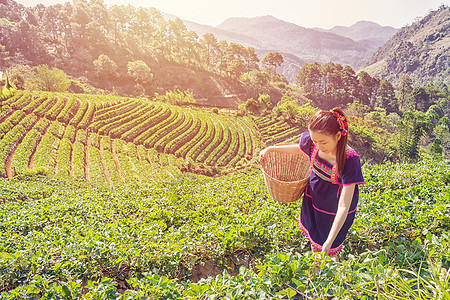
<point>352,173</point>
<point>305,143</point>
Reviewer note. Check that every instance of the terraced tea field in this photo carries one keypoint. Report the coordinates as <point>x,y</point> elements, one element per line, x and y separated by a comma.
<point>111,139</point>
<point>114,139</point>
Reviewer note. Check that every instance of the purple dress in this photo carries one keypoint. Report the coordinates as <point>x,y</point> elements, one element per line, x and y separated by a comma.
<point>321,198</point>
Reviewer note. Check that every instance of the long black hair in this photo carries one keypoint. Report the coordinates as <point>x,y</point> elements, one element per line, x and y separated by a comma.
<point>327,122</point>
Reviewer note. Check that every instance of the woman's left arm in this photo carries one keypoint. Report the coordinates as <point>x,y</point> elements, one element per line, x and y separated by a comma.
<point>345,201</point>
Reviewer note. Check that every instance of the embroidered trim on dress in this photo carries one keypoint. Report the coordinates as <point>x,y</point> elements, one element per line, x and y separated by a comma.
<point>320,169</point>
<point>317,247</point>
<point>334,175</point>
<point>317,166</point>
<point>350,152</point>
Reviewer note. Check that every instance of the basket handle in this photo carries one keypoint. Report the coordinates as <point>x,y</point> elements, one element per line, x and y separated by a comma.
<point>285,144</point>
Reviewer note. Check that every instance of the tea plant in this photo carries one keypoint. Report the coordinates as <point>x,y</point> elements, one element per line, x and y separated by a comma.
<point>67,239</point>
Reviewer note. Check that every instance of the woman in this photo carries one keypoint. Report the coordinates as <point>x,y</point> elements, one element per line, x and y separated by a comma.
<point>331,197</point>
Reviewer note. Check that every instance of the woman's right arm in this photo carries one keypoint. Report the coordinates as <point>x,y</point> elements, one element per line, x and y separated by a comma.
<point>291,149</point>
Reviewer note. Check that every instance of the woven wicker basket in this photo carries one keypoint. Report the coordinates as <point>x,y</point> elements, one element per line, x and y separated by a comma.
<point>286,175</point>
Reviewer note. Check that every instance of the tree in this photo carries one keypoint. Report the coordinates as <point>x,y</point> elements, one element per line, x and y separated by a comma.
<point>333,83</point>
<point>264,99</point>
<point>367,89</point>
<point>222,50</point>
<point>4,57</point>
<point>436,148</point>
<point>190,41</point>
<point>259,78</point>
<point>118,20</point>
<point>236,67</point>
<point>21,76</point>
<point>404,90</point>
<point>139,22</point>
<point>176,32</point>
<point>251,59</point>
<point>106,68</point>
<point>350,82</point>
<point>18,80</point>
<point>140,71</point>
<point>50,22</point>
<point>288,108</point>
<point>273,60</point>
<point>54,80</point>
<point>210,42</point>
<point>310,78</point>
<point>412,128</point>
<point>81,18</point>
<point>420,99</point>
<point>386,92</point>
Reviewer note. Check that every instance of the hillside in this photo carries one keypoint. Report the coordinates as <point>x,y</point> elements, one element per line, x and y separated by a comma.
<point>108,55</point>
<point>421,51</point>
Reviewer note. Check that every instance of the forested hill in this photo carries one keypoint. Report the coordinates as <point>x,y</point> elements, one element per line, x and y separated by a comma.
<point>421,51</point>
<point>122,49</point>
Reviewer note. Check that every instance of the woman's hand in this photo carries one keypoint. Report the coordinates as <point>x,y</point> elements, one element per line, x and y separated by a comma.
<point>326,247</point>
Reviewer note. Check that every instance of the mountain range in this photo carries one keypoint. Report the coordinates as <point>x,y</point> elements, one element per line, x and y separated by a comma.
<point>299,45</point>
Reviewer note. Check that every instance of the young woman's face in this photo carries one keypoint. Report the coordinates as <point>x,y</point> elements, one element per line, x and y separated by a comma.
<point>325,142</point>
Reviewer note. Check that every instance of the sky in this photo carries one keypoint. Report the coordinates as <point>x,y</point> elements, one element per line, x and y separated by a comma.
<point>306,13</point>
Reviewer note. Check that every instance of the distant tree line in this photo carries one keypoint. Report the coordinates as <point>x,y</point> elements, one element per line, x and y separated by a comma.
<point>419,115</point>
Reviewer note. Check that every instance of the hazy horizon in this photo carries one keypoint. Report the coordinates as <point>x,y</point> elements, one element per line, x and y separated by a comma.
<point>323,14</point>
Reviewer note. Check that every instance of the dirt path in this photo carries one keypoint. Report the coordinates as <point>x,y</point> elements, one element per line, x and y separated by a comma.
<point>73,111</point>
<point>102,158</point>
<point>9,156</point>
<point>219,141</point>
<point>6,115</point>
<point>36,145</point>
<point>86,157</point>
<point>72,172</point>
<point>227,145</point>
<point>116,160</point>
<point>141,161</point>
<point>57,151</point>
<point>251,139</point>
